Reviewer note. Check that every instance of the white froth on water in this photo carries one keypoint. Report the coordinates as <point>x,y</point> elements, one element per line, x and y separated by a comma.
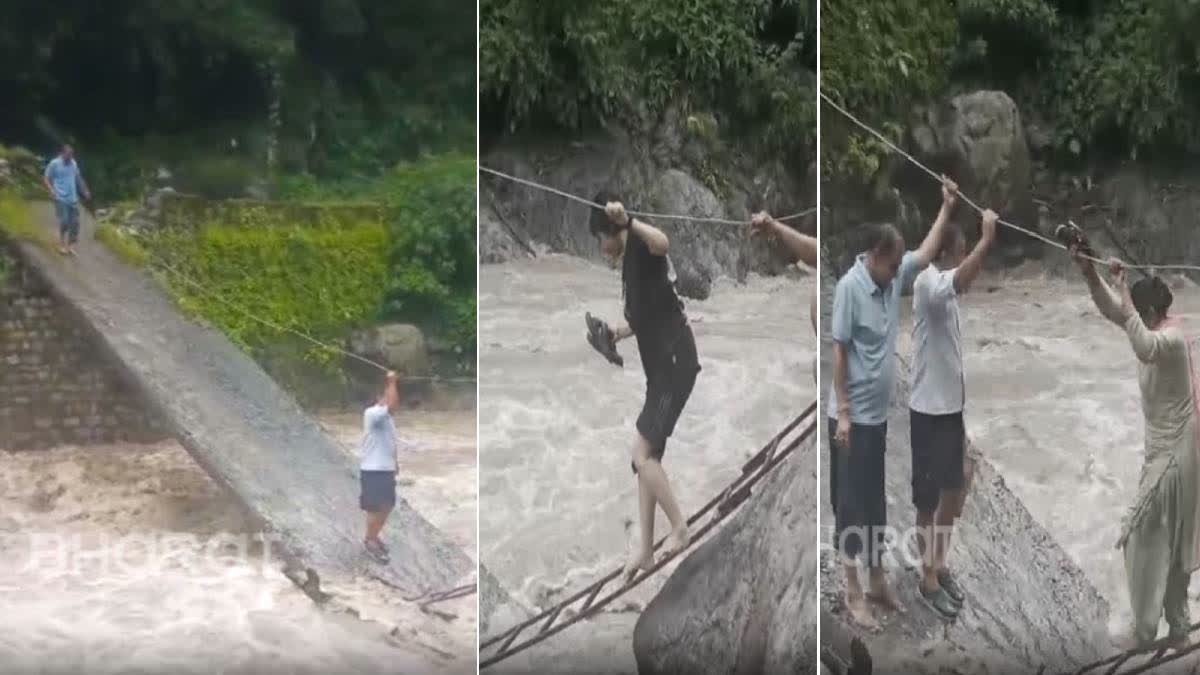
<point>129,559</point>
<point>557,420</point>
<point>1053,402</point>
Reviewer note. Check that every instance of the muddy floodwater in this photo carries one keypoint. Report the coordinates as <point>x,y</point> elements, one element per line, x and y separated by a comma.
<point>129,559</point>
<point>557,427</point>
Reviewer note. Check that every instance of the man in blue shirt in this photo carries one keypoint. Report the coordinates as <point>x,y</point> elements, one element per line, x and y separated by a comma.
<point>65,182</point>
<point>865,322</point>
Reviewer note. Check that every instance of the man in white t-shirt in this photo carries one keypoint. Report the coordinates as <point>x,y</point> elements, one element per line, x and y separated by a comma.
<point>936,407</point>
<point>377,469</point>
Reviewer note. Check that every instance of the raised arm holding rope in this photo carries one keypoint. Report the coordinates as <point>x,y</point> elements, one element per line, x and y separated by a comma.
<point>937,431</point>
<point>654,315</point>
<point>1161,534</point>
<point>801,246</point>
<point>377,468</point>
<point>865,322</point>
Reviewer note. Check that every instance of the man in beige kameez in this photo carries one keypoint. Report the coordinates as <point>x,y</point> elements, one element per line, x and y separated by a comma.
<point>1160,535</point>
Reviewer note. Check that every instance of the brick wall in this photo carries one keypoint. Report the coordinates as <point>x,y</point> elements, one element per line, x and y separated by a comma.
<point>55,386</point>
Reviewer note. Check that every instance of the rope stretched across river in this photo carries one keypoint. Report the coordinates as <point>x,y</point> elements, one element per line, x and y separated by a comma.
<point>639,214</point>
<point>936,176</point>
<point>754,470</point>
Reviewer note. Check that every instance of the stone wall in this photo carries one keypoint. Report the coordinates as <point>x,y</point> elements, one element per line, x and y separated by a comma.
<point>55,385</point>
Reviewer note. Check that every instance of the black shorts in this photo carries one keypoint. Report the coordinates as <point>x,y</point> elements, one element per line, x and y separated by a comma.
<point>669,382</point>
<point>857,490</point>
<point>938,445</point>
<point>378,491</point>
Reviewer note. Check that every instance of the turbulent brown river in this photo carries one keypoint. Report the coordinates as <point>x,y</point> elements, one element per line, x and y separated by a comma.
<point>129,559</point>
<point>557,425</point>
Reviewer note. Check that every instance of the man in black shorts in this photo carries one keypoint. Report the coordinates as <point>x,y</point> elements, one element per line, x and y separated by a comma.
<point>936,408</point>
<point>654,315</point>
<point>377,467</point>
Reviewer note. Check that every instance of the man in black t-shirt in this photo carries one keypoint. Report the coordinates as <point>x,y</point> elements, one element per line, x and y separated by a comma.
<point>654,315</point>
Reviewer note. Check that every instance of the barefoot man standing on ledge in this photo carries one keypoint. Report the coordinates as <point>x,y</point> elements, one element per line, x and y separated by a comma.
<point>377,471</point>
<point>64,181</point>
<point>865,321</point>
<point>668,351</point>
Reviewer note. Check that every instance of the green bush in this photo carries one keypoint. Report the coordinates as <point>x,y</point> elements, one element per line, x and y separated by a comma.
<point>1124,79</point>
<point>878,59</point>
<point>322,281</point>
<point>433,255</point>
<point>575,64</point>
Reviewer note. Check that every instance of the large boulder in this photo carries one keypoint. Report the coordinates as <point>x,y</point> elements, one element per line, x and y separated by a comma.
<point>497,241</point>
<point>979,140</point>
<point>400,346</point>
<point>717,614</point>
<point>1028,604</point>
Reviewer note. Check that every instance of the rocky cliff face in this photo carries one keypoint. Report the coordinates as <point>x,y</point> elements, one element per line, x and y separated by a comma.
<point>1138,211</point>
<point>1028,604</point>
<point>664,169</point>
<point>979,140</point>
<point>718,614</point>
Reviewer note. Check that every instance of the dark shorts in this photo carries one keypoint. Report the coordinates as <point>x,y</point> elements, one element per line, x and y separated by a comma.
<point>856,483</point>
<point>669,384</point>
<point>938,445</point>
<point>68,220</point>
<point>378,490</point>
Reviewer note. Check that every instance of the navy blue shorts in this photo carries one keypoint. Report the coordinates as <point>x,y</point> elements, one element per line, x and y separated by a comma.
<point>378,491</point>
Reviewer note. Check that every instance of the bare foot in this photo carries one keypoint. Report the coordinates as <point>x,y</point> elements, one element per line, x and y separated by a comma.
<point>1126,642</point>
<point>64,250</point>
<point>860,613</point>
<point>1180,642</point>
<point>638,563</point>
<point>677,541</point>
<point>71,251</point>
<point>882,594</point>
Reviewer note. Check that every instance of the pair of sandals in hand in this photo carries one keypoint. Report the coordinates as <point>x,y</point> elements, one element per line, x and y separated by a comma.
<point>602,338</point>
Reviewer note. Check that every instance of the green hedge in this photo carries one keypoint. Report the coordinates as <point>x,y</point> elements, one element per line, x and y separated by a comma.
<point>320,280</point>
<point>573,64</point>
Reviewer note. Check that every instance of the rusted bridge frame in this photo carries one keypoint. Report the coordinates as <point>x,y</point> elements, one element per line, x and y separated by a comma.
<point>1159,648</point>
<point>756,468</point>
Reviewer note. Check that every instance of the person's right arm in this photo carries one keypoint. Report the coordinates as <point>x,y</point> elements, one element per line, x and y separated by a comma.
<point>46,178</point>
<point>840,332</point>
<point>972,265</point>
<point>393,391</point>
<point>933,240</point>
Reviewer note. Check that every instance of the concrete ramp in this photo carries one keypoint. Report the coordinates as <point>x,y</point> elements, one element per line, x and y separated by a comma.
<point>238,424</point>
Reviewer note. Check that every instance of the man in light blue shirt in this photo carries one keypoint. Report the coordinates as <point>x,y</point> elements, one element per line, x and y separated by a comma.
<point>65,182</point>
<point>865,322</point>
